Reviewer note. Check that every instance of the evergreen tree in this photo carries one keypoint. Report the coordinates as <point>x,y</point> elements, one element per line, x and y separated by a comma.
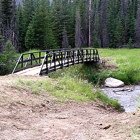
<point>39,32</point>
<point>25,17</point>
<point>78,34</point>
<point>119,33</point>
<point>1,38</point>
<point>65,43</point>
<point>137,28</point>
<point>29,39</point>
<point>61,17</point>
<point>112,18</point>
<point>103,23</point>
<point>7,58</point>
<point>8,21</point>
<point>130,23</point>
<point>0,17</point>
<point>20,26</point>
<point>0,27</point>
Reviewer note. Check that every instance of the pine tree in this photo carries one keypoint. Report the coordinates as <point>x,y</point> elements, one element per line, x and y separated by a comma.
<point>119,33</point>
<point>26,13</point>
<point>137,28</point>
<point>39,32</point>
<point>112,16</point>
<point>29,39</point>
<point>20,26</point>
<point>0,27</point>
<point>103,23</point>
<point>8,24</point>
<point>65,43</point>
<point>85,26</point>
<point>0,17</point>
<point>60,17</point>
<point>78,34</point>
<point>130,23</point>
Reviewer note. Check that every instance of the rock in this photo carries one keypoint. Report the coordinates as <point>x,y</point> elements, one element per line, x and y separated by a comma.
<point>113,83</point>
<point>107,127</point>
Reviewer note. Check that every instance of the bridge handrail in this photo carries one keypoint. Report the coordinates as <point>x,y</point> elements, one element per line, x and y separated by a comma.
<point>66,58</point>
<point>28,57</point>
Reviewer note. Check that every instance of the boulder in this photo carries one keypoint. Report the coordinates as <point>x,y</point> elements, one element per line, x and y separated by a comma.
<point>113,83</point>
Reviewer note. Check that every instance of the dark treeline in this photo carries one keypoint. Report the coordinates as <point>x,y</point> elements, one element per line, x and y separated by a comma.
<point>45,24</point>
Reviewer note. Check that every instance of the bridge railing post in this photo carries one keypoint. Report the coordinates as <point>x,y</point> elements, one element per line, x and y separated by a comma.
<point>22,61</point>
<point>62,59</point>
<point>54,59</point>
<point>39,57</point>
<point>73,55</point>
<point>93,55</point>
<point>86,55</point>
<point>78,56</point>
<point>47,67</point>
<point>68,53</point>
<point>90,55</point>
<point>31,58</point>
<point>82,54</point>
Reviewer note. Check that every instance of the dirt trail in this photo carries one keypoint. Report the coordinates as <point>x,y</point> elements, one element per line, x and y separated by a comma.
<point>26,116</point>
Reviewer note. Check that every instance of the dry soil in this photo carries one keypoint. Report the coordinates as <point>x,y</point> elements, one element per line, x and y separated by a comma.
<point>27,116</point>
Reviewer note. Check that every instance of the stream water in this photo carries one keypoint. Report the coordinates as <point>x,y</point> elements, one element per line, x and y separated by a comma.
<point>128,97</point>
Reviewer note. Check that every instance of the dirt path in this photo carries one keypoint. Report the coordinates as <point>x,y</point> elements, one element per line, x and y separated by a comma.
<point>26,116</point>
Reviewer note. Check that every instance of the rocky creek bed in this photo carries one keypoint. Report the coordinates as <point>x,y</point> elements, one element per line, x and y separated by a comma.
<point>127,96</point>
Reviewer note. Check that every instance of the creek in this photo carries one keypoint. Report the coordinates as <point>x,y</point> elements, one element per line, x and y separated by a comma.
<point>127,96</point>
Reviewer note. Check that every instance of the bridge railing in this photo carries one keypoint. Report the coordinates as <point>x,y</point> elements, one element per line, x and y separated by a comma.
<point>29,60</point>
<point>54,60</point>
<point>51,60</point>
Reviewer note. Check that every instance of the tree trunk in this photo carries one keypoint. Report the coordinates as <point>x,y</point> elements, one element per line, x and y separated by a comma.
<point>90,5</point>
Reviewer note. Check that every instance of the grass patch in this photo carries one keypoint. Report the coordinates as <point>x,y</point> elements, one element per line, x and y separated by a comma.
<point>128,64</point>
<point>79,79</point>
<point>104,98</point>
<point>67,88</point>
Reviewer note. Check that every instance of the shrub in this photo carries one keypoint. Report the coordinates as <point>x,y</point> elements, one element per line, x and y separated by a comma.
<point>7,59</point>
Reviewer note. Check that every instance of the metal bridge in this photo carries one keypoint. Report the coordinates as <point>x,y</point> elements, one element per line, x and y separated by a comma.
<point>46,61</point>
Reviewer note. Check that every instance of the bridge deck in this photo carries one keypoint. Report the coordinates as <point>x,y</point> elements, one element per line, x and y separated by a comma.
<point>30,71</point>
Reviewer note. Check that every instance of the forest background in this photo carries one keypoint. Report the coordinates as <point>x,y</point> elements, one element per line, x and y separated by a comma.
<point>45,24</point>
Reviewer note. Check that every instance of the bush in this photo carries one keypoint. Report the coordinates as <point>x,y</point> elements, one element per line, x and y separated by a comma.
<point>7,59</point>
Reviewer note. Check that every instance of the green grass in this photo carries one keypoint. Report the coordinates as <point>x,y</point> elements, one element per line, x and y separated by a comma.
<point>63,88</point>
<point>67,88</point>
<point>128,64</point>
